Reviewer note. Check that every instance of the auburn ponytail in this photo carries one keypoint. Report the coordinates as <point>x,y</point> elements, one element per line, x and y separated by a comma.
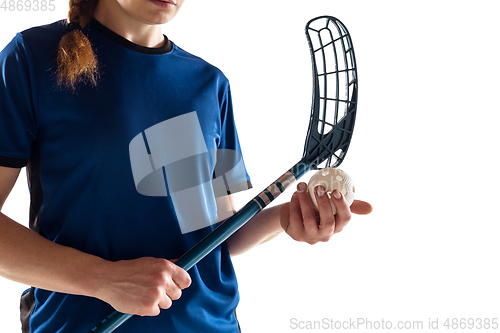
<point>76,61</point>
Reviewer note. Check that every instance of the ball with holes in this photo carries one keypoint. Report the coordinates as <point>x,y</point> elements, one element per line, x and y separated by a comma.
<point>332,179</point>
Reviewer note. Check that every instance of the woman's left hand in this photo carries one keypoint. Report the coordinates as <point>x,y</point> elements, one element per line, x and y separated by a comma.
<point>303,223</point>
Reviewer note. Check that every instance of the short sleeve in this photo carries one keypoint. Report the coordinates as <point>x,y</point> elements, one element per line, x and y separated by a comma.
<point>230,174</point>
<point>18,128</point>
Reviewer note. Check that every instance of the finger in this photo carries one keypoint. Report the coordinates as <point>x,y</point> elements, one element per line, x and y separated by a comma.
<point>327,219</point>
<point>309,219</point>
<point>181,277</point>
<point>164,303</point>
<point>173,291</point>
<point>361,207</point>
<point>343,211</point>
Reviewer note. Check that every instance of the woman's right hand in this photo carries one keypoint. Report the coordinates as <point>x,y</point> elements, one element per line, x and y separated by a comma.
<point>141,286</point>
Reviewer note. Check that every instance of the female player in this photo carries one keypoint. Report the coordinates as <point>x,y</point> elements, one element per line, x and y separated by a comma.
<point>123,135</point>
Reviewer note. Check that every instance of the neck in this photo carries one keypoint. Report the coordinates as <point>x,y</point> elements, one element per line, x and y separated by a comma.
<point>113,17</point>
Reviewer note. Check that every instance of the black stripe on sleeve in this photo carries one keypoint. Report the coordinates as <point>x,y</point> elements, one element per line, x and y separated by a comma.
<point>13,162</point>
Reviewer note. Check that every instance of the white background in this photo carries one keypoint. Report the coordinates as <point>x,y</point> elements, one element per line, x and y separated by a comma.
<point>423,153</point>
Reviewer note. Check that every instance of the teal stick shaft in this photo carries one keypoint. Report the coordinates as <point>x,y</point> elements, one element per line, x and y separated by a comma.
<point>219,235</point>
<point>112,322</point>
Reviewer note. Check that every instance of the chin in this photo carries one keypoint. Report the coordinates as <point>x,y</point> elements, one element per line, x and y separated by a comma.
<point>160,18</point>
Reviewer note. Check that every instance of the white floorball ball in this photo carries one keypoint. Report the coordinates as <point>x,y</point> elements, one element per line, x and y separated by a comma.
<point>332,179</point>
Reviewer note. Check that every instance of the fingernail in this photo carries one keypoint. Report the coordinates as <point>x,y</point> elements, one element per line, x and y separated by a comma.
<point>336,194</point>
<point>302,187</point>
<point>320,190</point>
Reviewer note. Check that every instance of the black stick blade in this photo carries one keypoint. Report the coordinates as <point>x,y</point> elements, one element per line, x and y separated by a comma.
<point>335,92</point>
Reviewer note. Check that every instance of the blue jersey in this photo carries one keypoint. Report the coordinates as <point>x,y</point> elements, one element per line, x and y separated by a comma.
<point>127,169</point>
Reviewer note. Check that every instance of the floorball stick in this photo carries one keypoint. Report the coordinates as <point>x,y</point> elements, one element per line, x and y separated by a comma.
<point>333,112</point>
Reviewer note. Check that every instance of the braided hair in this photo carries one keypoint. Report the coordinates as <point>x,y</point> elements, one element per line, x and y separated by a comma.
<point>76,62</point>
